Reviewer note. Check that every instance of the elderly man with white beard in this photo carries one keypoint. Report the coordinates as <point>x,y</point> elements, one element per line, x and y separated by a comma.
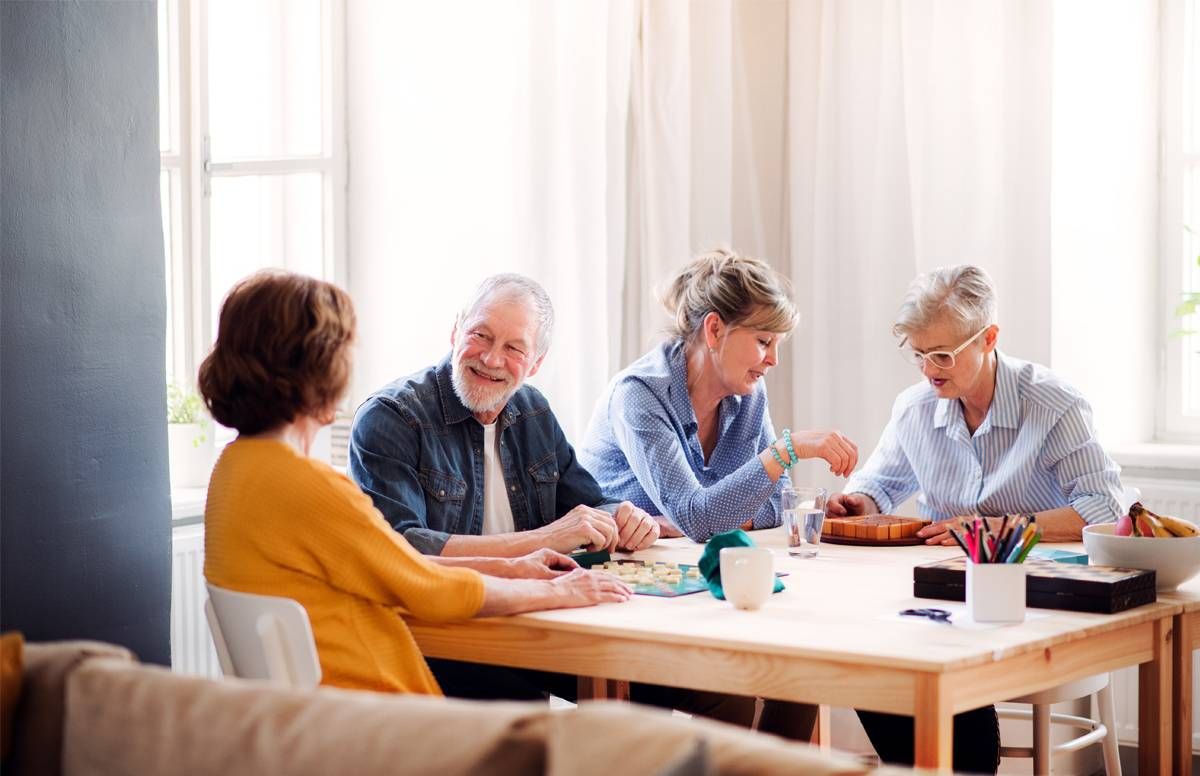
<point>464,459</point>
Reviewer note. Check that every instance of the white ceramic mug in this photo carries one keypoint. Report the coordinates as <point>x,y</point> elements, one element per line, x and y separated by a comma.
<point>747,575</point>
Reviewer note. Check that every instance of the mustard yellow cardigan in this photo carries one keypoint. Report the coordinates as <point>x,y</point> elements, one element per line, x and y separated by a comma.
<point>278,523</point>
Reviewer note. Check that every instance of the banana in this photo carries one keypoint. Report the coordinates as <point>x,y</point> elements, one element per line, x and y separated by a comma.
<point>1148,523</point>
<point>1178,527</point>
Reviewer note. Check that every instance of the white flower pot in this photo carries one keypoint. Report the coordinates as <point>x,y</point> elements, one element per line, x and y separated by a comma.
<point>190,448</point>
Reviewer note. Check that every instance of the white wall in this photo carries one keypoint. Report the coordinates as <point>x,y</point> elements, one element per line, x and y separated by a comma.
<point>1104,211</point>
<point>405,126</point>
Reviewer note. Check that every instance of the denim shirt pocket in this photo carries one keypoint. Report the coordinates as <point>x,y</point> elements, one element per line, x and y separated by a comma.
<point>544,474</point>
<point>444,496</point>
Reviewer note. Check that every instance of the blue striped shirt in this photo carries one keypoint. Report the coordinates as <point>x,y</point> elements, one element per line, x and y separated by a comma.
<point>1035,450</point>
<point>643,445</point>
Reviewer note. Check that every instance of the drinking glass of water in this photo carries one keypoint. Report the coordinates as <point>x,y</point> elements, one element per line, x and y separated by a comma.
<point>803,518</point>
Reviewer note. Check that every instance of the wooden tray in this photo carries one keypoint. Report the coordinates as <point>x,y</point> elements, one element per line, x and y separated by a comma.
<point>873,530</point>
<point>907,541</point>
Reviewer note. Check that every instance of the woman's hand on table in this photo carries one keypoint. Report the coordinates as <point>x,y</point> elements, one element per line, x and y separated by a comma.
<point>939,532</point>
<point>584,588</point>
<point>834,447</point>
<point>540,564</point>
<point>636,530</point>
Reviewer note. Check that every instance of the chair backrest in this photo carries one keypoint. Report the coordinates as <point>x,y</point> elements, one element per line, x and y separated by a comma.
<point>263,637</point>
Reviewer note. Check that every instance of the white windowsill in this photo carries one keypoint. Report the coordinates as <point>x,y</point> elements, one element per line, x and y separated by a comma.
<point>187,505</point>
<point>1169,461</point>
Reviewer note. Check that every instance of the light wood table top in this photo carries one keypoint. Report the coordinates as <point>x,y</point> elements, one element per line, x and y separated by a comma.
<point>834,636</point>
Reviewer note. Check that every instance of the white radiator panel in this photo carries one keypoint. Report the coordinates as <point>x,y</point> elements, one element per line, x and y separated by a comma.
<point>192,650</point>
<point>1178,498</point>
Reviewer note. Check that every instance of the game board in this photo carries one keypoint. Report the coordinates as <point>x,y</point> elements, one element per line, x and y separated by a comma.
<point>1049,585</point>
<point>873,530</point>
<point>660,578</point>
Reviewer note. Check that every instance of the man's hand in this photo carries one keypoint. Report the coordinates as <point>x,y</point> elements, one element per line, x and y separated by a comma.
<point>833,446</point>
<point>539,564</point>
<point>583,526</point>
<point>636,530</point>
<point>850,505</point>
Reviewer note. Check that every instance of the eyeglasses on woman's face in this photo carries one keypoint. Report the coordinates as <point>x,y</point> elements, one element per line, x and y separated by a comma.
<point>942,359</point>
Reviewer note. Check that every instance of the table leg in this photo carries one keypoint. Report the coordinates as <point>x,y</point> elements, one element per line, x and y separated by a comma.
<point>1154,704</point>
<point>823,731</point>
<point>1181,695</point>
<point>933,725</point>
<point>593,688</point>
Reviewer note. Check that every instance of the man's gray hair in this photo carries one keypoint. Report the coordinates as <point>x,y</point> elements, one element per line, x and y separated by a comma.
<point>509,286</point>
<point>964,294</point>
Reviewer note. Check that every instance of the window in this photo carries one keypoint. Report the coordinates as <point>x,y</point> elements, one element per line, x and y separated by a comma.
<point>1179,419</point>
<point>253,153</point>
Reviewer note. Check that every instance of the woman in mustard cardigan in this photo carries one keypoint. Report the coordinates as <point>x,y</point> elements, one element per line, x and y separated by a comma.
<point>280,523</point>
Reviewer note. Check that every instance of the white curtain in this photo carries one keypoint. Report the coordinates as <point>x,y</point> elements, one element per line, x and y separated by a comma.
<point>918,136</point>
<point>598,146</point>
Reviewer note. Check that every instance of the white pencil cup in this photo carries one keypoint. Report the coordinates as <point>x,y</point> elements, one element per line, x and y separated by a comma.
<point>996,592</point>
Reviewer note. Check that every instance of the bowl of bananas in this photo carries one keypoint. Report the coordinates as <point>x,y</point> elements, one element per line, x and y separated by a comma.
<point>1145,540</point>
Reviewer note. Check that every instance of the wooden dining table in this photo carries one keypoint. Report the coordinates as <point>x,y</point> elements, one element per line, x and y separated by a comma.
<point>1186,641</point>
<point>835,636</point>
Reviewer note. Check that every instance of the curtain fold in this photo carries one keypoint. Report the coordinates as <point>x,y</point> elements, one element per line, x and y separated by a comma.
<point>598,146</point>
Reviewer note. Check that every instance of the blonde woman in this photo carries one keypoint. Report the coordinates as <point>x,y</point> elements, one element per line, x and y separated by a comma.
<point>684,431</point>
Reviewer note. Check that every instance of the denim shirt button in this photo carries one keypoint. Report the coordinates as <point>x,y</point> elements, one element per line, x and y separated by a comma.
<point>514,488</point>
<point>556,475</point>
<point>441,493</point>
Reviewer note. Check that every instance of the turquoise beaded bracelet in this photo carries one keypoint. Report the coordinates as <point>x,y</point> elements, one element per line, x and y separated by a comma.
<point>787,440</point>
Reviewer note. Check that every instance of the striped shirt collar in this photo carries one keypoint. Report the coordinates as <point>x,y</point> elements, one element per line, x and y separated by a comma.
<point>1005,411</point>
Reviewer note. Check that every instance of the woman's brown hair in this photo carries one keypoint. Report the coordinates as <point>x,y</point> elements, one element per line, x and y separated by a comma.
<point>282,351</point>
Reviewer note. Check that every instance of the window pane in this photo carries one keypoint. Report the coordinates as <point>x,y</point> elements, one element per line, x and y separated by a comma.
<point>169,197</point>
<point>1191,285</point>
<point>265,78</point>
<point>264,221</point>
<point>168,76</point>
<point>1191,78</point>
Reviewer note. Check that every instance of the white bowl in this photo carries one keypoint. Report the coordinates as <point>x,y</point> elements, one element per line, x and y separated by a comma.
<point>1175,559</point>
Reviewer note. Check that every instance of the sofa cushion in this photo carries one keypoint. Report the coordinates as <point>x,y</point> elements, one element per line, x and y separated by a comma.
<point>124,719</point>
<point>11,661</point>
<point>600,737</point>
<point>38,728</point>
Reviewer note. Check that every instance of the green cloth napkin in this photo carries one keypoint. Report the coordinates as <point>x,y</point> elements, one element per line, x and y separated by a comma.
<point>710,561</point>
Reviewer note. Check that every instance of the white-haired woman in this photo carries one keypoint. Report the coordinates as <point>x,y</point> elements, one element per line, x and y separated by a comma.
<point>982,434</point>
<point>684,431</point>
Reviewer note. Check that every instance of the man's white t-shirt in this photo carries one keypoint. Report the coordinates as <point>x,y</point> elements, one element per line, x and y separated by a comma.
<point>497,512</point>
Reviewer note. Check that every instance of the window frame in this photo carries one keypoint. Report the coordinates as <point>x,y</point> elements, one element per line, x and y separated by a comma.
<point>1173,424</point>
<point>191,326</point>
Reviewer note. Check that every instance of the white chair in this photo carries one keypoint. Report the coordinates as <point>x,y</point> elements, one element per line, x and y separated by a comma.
<point>1104,730</point>
<point>263,637</point>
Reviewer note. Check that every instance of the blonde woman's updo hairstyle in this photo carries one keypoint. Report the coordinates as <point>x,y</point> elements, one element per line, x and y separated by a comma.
<point>283,350</point>
<point>743,291</point>
<point>964,295</point>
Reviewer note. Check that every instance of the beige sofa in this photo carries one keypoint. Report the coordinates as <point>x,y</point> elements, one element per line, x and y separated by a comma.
<point>89,708</point>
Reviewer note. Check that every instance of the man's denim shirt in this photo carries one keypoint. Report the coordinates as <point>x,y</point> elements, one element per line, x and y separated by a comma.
<point>418,453</point>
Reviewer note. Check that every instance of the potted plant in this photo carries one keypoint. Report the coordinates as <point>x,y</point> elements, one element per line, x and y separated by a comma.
<point>189,443</point>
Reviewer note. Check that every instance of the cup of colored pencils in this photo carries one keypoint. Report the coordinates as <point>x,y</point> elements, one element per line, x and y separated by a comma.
<point>995,584</point>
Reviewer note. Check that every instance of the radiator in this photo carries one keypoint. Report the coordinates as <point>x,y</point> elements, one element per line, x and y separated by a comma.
<point>192,650</point>
<point>1178,498</point>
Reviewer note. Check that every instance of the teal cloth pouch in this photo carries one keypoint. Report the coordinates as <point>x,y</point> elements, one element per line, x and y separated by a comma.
<point>710,561</point>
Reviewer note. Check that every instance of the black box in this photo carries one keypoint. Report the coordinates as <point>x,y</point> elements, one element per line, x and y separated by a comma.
<point>1049,585</point>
